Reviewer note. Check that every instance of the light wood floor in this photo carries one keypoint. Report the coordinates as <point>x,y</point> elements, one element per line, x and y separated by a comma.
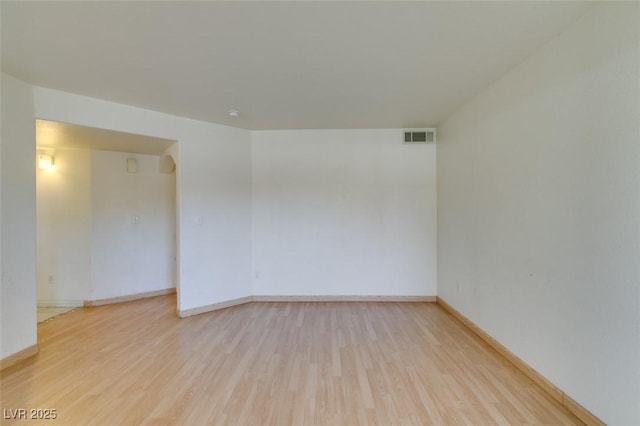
<point>272,364</point>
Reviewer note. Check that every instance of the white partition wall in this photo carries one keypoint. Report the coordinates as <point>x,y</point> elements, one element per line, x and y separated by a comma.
<point>343,212</point>
<point>133,244</point>
<point>539,207</point>
<point>18,226</point>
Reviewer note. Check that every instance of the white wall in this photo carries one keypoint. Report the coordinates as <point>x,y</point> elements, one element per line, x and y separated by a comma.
<point>127,257</point>
<point>64,229</point>
<point>343,212</point>
<point>18,193</point>
<point>2,291</point>
<point>539,207</point>
<point>214,183</point>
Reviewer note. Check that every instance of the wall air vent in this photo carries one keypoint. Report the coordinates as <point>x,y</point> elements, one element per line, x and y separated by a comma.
<point>419,135</point>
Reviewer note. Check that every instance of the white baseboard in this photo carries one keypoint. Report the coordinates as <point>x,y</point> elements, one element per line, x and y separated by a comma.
<point>545,384</point>
<point>329,298</point>
<point>60,303</point>
<point>336,298</point>
<point>128,297</point>
<point>214,307</point>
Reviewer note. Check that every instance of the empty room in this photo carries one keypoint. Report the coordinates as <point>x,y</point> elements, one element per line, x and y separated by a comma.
<point>320,213</point>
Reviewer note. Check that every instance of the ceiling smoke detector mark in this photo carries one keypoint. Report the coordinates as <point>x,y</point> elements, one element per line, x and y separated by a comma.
<point>412,136</point>
<point>233,113</point>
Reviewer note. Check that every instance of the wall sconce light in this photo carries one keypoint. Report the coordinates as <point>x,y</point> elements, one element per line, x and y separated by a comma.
<point>45,160</point>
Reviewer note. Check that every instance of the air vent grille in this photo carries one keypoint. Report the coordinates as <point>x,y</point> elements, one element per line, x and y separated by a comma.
<point>419,136</point>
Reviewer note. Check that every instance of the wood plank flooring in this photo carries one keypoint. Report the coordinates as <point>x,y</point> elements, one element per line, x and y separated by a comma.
<point>327,363</point>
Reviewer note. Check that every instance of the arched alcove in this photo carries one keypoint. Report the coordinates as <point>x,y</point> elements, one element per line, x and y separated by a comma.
<point>167,164</point>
